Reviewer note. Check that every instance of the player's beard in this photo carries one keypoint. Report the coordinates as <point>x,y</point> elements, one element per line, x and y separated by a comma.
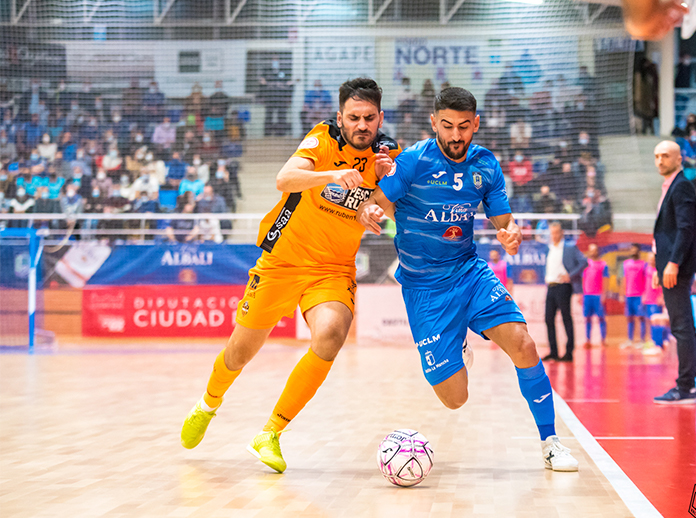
<point>349,137</point>
<point>451,153</point>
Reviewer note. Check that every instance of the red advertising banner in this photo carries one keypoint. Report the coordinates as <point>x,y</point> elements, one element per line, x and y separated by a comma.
<point>183,311</point>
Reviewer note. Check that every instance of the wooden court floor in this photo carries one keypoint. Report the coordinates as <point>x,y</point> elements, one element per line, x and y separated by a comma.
<point>91,433</point>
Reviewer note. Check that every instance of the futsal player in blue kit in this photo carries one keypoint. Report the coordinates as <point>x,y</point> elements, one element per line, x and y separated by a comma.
<point>432,194</point>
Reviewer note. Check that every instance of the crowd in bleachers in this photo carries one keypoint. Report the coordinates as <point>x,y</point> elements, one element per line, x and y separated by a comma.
<point>546,141</point>
<point>77,151</point>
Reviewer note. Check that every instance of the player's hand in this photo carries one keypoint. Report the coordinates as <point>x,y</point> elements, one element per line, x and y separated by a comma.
<point>655,280</point>
<point>652,19</point>
<point>369,216</point>
<point>669,276</point>
<point>348,178</point>
<point>383,162</point>
<point>510,239</point>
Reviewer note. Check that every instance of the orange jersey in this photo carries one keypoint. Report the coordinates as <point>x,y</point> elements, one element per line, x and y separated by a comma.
<point>318,226</point>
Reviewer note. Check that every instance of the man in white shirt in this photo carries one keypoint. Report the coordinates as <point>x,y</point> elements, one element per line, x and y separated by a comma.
<point>564,267</point>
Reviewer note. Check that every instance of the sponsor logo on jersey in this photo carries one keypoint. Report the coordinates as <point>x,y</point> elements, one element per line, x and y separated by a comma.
<point>438,175</point>
<point>430,358</point>
<point>437,182</point>
<point>281,221</point>
<point>453,233</point>
<point>350,200</point>
<point>498,291</point>
<point>309,143</point>
<point>478,179</point>
<point>340,163</point>
<point>245,308</point>
<point>254,283</point>
<point>392,170</point>
<point>448,217</point>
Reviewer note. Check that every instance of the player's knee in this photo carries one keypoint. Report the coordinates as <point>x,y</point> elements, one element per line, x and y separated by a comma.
<point>331,337</point>
<point>455,401</point>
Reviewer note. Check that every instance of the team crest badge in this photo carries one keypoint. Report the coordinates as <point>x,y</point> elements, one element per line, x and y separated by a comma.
<point>453,234</point>
<point>478,179</point>
<point>245,308</point>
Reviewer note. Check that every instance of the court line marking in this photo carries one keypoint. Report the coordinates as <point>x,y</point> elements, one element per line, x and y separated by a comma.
<point>634,499</point>
<point>616,437</point>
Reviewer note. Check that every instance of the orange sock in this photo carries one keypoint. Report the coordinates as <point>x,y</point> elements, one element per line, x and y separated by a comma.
<point>220,380</point>
<point>307,376</point>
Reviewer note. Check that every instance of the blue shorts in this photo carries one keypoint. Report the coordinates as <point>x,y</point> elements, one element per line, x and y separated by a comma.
<point>651,309</point>
<point>439,318</point>
<point>592,305</point>
<point>633,307</point>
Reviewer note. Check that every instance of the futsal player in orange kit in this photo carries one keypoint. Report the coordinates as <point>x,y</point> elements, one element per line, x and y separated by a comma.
<point>310,240</point>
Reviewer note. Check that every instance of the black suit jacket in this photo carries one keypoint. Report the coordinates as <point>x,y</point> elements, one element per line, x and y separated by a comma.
<point>574,263</point>
<point>675,228</point>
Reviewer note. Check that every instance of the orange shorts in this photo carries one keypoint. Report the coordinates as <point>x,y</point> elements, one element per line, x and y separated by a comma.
<point>274,291</point>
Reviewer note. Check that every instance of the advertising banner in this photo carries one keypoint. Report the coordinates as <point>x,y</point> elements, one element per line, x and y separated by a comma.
<point>164,311</point>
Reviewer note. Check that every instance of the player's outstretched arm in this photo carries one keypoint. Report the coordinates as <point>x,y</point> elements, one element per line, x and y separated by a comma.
<point>372,210</point>
<point>509,234</point>
<point>652,19</point>
<point>298,175</point>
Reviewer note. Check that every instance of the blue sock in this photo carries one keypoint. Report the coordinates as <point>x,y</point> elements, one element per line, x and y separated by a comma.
<point>642,330</point>
<point>631,329</point>
<point>603,328</point>
<point>536,389</point>
<point>657,335</point>
<point>588,328</point>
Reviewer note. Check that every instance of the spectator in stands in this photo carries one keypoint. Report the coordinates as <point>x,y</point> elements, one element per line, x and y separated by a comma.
<point>405,99</point>
<point>112,161</point>
<point>82,183</point>
<point>43,112</point>
<point>275,92</point>
<point>5,180</point>
<point>189,145</point>
<point>596,213</point>
<point>8,150</point>
<point>10,127</point>
<point>426,101</point>
<point>211,203</point>
<point>124,189</point>
<point>55,185</point>
<point>520,169</point>
<point>75,116</point>
<point>176,170</point>
<point>29,102</point>
<point>191,183</point>
<point>146,182</point>
<point>153,102</point>
<point>209,147</point>
<point>86,97</point>
<point>68,146</point>
<point>202,168</point>
<point>34,158</point>
<point>585,148</point>
<point>520,134</point>
<point>83,161</point>
<point>194,104</point>
<point>545,201</point>
<point>182,230</point>
<point>407,132</point>
<point>684,71</point>
<point>219,102</point>
<point>102,182</point>
<point>47,149</point>
<point>137,140</point>
<point>164,135</point>
<point>60,99</point>
<point>132,101</point>
<point>146,202</point>
<point>317,106</point>
<point>100,111</point>
<point>22,203</point>
<point>32,132</point>
<point>135,163</point>
<point>226,183</point>
<point>44,204</point>
<point>90,131</point>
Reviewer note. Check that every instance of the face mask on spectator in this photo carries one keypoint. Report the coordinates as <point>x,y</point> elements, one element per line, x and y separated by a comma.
<point>44,195</point>
<point>70,193</point>
<point>3,177</point>
<point>2,195</point>
<point>149,157</point>
<point>117,119</point>
<point>110,138</point>
<point>93,123</point>
<point>97,104</point>
<point>208,197</point>
<point>95,193</point>
<point>139,156</point>
<point>153,89</point>
<point>77,174</point>
<point>3,140</point>
<point>21,192</point>
<point>144,198</point>
<point>583,141</point>
<point>80,154</point>
<point>101,175</point>
<point>206,138</point>
<point>138,138</point>
<point>124,179</point>
<point>75,107</point>
<point>197,161</point>
<point>92,151</point>
<point>519,158</point>
<point>219,174</point>
<point>46,139</point>
<point>563,144</point>
<point>34,157</point>
<point>113,153</point>
<point>692,138</point>
<point>222,162</point>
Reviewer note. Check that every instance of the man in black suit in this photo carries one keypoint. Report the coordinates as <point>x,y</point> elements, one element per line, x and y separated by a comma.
<point>564,267</point>
<point>675,260</point>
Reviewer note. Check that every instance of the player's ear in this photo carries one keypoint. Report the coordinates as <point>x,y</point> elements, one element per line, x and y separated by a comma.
<point>339,119</point>
<point>381,118</point>
<point>477,122</point>
<point>432,122</point>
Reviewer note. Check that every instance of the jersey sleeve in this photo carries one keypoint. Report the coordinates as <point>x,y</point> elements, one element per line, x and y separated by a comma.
<point>315,147</point>
<point>495,202</point>
<point>397,183</point>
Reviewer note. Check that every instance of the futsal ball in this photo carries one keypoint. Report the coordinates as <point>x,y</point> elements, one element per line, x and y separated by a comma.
<point>405,457</point>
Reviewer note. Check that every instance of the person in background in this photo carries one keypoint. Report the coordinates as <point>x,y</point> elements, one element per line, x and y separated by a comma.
<point>501,269</point>
<point>520,134</point>
<point>102,182</point>
<point>8,150</point>
<point>182,230</point>
<point>164,135</point>
<point>153,102</point>
<point>202,168</point>
<point>564,267</point>
<point>675,261</point>
<point>653,302</point>
<point>83,162</point>
<point>275,91</point>
<point>317,106</point>
<point>407,131</point>
<point>112,161</point>
<point>146,182</point>
<point>595,280</point>
<point>632,286</point>
<point>226,184</point>
<point>176,170</point>
<point>22,203</point>
<point>191,183</point>
<point>521,173</point>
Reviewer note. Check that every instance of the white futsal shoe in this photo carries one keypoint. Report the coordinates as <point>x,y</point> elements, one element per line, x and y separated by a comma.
<point>467,355</point>
<point>556,456</point>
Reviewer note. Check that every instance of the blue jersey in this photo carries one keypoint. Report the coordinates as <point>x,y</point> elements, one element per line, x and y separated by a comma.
<point>435,200</point>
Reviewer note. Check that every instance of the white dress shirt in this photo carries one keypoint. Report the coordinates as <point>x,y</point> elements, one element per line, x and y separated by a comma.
<point>554,263</point>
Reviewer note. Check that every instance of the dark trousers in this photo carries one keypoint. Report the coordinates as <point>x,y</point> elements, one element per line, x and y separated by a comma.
<point>558,297</point>
<point>681,321</point>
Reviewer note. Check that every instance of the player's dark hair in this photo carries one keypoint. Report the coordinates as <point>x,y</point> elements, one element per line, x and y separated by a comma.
<point>455,98</point>
<point>362,88</point>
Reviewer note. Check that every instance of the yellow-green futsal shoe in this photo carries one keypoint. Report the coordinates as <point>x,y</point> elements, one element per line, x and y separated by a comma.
<point>195,425</point>
<point>266,448</point>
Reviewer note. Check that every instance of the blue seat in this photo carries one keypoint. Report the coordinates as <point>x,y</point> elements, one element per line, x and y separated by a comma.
<point>167,198</point>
